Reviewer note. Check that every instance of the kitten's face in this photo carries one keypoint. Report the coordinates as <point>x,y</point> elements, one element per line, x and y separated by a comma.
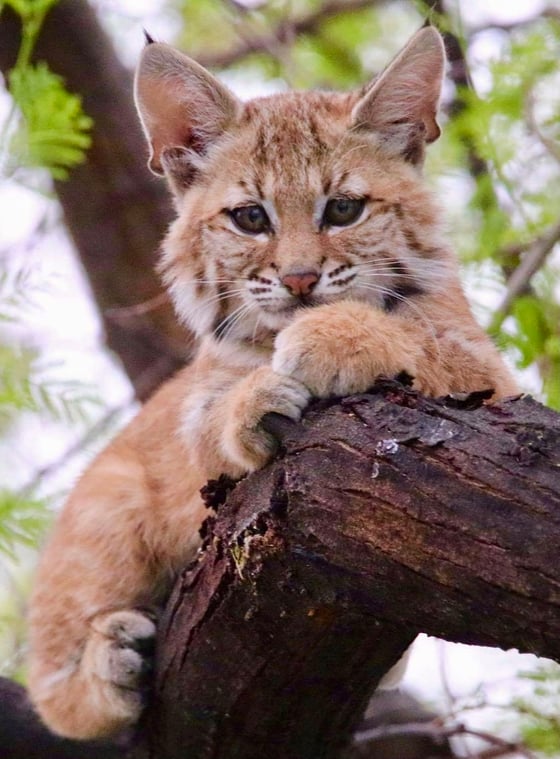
<point>293,209</point>
<point>294,200</point>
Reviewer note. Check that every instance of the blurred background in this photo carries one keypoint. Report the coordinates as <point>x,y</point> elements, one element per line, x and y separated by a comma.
<point>86,332</point>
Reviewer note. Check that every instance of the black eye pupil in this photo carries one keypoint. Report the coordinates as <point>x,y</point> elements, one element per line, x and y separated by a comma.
<point>251,219</point>
<point>339,212</point>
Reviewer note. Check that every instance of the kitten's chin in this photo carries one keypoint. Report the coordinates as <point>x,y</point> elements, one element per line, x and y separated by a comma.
<point>273,321</point>
<point>277,320</point>
<point>281,317</point>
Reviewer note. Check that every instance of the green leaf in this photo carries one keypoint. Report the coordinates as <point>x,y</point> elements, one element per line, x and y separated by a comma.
<point>54,131</point>
<point>527,311</point>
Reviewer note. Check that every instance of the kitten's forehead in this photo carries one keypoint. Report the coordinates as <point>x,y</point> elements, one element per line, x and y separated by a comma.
<point>291,137</point>
<point>308,115</point>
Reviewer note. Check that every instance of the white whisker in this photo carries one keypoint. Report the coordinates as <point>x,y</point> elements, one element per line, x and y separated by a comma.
<point>217,297</point>
<point>394,274</point>
<point>213,281</point>
<point>428,279</point>
<point>339,156</point>
<point>255,329</point>
<point>200,307</point>
<point>233,319</point>
<point>205,302</point>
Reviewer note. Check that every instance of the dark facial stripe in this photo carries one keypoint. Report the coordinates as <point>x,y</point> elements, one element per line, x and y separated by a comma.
<point>200,286</point>
<point>410,236</point>
<point>399,292</point>
<point>408,233</point>
<point>219,328</point>
<point>404,287</point>
<point>345,281</point>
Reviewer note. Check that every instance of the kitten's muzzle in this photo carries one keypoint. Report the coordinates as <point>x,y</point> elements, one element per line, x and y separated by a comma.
<point>300,283</point>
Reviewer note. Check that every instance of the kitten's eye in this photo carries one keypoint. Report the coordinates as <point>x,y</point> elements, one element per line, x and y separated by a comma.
<point>252,219</point>
<point>339,212</point>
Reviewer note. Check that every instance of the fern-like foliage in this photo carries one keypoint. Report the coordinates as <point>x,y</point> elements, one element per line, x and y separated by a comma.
<point>46,127</point>
<point>27,383</point>
<point>22,522</point>
<point>53,131</point>
<point>23,387</point>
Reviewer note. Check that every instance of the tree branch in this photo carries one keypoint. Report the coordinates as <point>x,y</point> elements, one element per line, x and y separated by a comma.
<point>438,731</point>
<point>386,515</point>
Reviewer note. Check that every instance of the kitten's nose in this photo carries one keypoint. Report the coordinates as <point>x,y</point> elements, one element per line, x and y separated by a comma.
<point>300,283</point>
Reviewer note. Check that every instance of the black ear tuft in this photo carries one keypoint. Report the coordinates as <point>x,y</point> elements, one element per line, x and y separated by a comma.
<point>149,39</point>
<point>432,11</point>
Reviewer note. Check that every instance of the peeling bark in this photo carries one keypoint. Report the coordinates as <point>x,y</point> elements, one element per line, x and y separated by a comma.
<point>385,515</point>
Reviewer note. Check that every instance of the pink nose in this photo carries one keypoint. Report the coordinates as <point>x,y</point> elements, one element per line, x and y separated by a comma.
<point>300,283</point>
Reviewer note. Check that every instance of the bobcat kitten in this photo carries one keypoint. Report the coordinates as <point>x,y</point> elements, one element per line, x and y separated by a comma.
<point>307,256</point>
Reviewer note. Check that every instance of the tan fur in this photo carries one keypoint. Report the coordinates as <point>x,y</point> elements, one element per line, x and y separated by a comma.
<point>387,299</point>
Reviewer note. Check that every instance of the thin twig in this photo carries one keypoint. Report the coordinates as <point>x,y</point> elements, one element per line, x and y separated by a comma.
<point>286,30</point>
<point>439,732</point>
<point>450,697</point>
<point>460,76</point>
<point>521,277</point>
<point>551,147</point>
<point>124,313</point>
<point>278,47</point>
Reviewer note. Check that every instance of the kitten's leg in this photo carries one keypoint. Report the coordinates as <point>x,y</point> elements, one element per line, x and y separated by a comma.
<point>102,692</point>
<point>341,348</point>
<point>243,441</point>
<point>85,669</point>
<point>227,438</point>
<point>87,649</point>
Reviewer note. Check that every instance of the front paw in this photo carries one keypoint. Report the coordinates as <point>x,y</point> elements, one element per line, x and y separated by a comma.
<point>342,348</point>
<point>118,660</point>
<point>244,441</point>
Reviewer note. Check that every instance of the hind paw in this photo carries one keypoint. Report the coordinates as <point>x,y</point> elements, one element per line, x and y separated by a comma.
<point>118,659</point>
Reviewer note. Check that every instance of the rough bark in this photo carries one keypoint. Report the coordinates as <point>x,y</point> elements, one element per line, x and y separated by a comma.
<point>114,209</point>
<point>385,515</point>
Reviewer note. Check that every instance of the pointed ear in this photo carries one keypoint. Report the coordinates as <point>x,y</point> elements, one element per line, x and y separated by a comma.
<point>401,104</point>
<point>183,109</point>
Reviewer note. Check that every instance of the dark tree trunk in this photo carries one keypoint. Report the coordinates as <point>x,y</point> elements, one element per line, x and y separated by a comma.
<point>115,210</point>
<point>22,736</point>
<point>385,515</point>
